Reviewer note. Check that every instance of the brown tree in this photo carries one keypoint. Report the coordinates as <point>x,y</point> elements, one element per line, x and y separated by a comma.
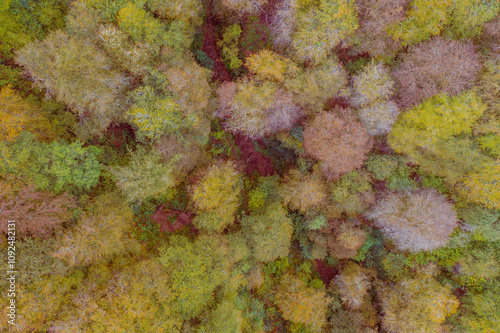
<point>434,67</point>
<point>417,220</point>
<point>340,143</point>
<point>37,213</point>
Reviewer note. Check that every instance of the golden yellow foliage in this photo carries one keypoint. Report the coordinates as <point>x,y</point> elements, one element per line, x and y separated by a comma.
<point>13,113</point>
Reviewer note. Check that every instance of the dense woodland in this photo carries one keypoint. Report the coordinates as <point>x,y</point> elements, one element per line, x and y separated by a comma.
<point>251,166</point>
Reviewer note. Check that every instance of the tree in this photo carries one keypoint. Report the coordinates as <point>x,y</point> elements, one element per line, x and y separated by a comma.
<point>140,25</point>
<point>430,68</point>
<point>103,233</point>
<point>260,108</point>
<point>424,18</point>
<point>379,117</point>
<point>13,113</point>
<point>417,305</point>
<point>351,194</point>
<point>436,119</point>
<point>353,284</point>
<point>56,166</point>
<point>483,185</point>
<point>468,17</point>
<point>303,191</point>
<point>321,28</point>
<point>225,318</point>
<point>155,115</point>
<point>189,11</point>
<point>269,232</point>
<point>344,321</point>
<point>416,220</point>
<point>79,75</point>
<point>482,220</point>
<point>481,310</point>
<point>372,84</point>
<point>194,269</point>
<point>268,65</point>
<point>145,176</point>
<point>217,197</point>
<point>313,87</point>
<point>244,7</point>
<point>375,16</point>
<point>283,23</point>
<point>340,144</point>
<point>302,304</point>
<point>37,213</point>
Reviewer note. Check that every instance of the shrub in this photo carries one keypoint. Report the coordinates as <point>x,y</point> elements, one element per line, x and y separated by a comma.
<point>430,68</point>
<point>340,144</point>
<point>417,220</point>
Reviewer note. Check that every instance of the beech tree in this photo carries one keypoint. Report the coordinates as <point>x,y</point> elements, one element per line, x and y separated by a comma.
<point>303,191</point>
<point>430,68</point>
<point>78,74</point>
<point>37,213</point>
<point>417,220</point>
<point>217,197</point>
<point>339,144</point>
<point>259,109</point>
<point>302,304</point>
<point>375,16</point>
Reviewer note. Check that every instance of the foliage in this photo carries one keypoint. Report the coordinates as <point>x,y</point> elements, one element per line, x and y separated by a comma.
<point>353,284</point>
<point>244,7</point>
<point>319,29</point>
<point>436,119</point>
<point>340,144</point>
<point>78,74</point>
<point>269,232</point>
<point>225,318</point>
<point>375,16</point>
<point>37,213</point>
<point>484,221</point>
<point>490,143</point>
<point>417,220</point>
<point>373,84</point>
<point>229,44</point>
<point>102,233</point>
<point>382,166</point>
<point>379,117</point>
<point>345,321</point>
<point>303,191</point>
<point>416,305</point>
<point>155,115</point>
<point>140,25</point>
<point>283,23</point>
<point>217,197</point>
<point>145,176</point>
<point>194,269</point>
<point>482,310</point>
<point>13,113</point>
<point>313,87</point>
<point>424,18</point>
<point>58,166</point>
<point>350,194</point>
<point>434,67</point>
<point>268,65</point>
<point>483,186</point>
<point>189,11</point>
<point>468,17</point>
<point>258,109</point>
<point>302,304</point>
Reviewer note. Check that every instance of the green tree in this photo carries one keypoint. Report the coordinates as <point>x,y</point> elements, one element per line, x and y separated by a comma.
<point>321,28</point>
<point>56,166</point>
<point>468,17</point>
<point>483,186</point>
<point>302,304</point>
<point>145,177</point>
<point>269,232</point>
<point>372,84</point>
<point>417,220</point>
<point>194,269</point>
<point>225,318</point>
<point>424,18</point>
<point>140,25</point>
<point>189,11</point>
<point>482,310</point>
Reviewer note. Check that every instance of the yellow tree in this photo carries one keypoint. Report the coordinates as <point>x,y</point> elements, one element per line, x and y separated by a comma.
<point>483,186</point>
<point>13,113</point>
